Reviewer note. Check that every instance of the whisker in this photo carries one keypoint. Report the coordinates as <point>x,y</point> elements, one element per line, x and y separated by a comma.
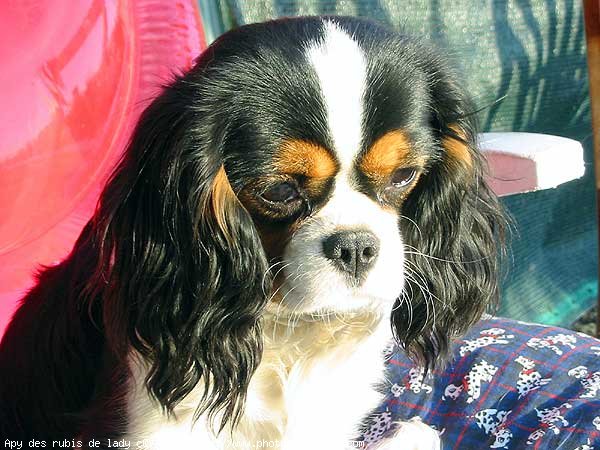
<point>414,223</point>
<point>425,255</point>
<point>421,280</point>
<point>267,272</point>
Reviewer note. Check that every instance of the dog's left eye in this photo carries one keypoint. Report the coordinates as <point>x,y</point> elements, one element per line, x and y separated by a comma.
<point>398,184</point>
<point>402,177</point>
<point>281,193</point>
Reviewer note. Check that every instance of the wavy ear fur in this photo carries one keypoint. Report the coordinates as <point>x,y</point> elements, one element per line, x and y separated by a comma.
<point>452,233</point>
<point>182,263</point>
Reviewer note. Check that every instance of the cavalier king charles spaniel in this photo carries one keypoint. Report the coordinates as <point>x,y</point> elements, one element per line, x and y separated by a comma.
<point>308,191</point>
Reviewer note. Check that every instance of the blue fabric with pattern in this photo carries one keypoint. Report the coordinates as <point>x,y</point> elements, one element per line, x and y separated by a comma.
<point>510,385</point>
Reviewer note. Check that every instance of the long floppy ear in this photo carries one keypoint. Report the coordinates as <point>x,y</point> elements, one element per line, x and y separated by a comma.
<point>182,270</point>
<point>453,229</point>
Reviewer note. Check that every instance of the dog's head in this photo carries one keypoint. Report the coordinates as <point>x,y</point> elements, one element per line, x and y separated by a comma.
<point>303,166</point>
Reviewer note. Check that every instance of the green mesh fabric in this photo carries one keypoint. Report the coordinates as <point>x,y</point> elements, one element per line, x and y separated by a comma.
<point>532,54</point>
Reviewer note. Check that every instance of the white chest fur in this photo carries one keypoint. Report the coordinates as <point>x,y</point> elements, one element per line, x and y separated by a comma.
<point>315,384</point>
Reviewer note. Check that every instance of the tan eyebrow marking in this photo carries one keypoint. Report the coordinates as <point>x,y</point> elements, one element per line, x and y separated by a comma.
<point>388,153</point>
<point>301,157</point>
<point>458,149</point>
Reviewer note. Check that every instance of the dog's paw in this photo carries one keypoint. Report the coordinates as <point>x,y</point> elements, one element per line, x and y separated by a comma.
<point>412,435</point>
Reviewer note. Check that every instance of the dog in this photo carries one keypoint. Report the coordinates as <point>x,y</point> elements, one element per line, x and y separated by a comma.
<point>308,191</point>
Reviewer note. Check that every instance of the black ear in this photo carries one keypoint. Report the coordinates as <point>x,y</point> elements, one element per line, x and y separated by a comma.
<point>452,229</point>
<point>182,271</point>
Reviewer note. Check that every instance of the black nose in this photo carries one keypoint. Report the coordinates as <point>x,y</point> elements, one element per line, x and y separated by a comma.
<point>352,252</point>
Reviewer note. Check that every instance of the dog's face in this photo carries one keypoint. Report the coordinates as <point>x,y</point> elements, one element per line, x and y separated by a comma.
<point>334,135</point>
<point>303,166</point>
<point>327,197</point>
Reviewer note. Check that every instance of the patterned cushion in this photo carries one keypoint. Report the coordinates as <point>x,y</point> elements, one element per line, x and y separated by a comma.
<point>510,385</point>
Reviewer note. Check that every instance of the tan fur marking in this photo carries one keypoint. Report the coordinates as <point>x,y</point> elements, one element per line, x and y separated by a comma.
<point>386,154</point>
<point>458,149</point>
<point>305,158</point>
<point>223,200</point>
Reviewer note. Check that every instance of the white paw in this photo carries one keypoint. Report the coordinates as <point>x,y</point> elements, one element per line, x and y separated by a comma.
<point>413,435</point>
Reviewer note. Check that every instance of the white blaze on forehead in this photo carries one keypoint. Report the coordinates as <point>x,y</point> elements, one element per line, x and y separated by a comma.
<point>341,69</point>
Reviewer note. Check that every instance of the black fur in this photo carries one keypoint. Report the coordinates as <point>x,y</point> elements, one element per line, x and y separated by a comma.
<point>164,269</point>
<point>453,227</point>
<point>452,224</point>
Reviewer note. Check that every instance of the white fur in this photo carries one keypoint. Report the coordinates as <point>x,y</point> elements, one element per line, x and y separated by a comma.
<point>412,435</point>
<point>302,396</point>
<point>312,389</point>
<point>342,71</point>
<point>314,284</point>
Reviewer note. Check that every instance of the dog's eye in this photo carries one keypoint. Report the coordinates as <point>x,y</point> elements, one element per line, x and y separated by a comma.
<point>402,177</point>
<point>398,185</point>
<point>281,193</point>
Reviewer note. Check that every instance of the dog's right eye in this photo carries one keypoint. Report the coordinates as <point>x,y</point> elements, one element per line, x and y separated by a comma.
<point>281,193</point>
